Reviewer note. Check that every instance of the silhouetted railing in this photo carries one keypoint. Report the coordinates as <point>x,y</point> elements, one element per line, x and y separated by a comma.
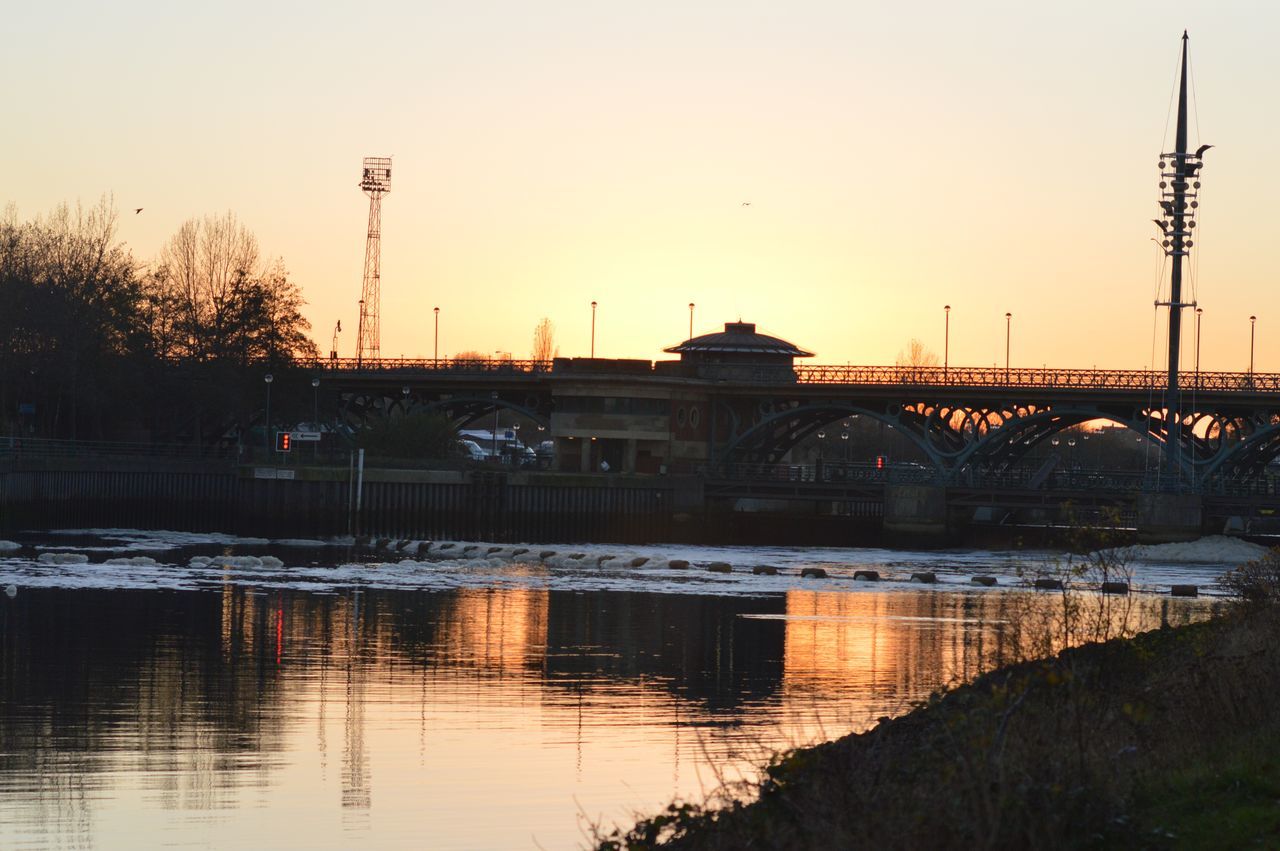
<point>14,447</point>
<point>869,376</point>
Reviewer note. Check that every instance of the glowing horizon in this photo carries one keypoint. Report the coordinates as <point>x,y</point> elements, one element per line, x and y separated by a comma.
<point>998,161</point>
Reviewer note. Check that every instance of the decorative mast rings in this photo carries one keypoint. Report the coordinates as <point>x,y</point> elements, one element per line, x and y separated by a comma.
<point>1179,200</point>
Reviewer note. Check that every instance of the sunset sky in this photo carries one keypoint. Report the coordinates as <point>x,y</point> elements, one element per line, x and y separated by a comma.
<point>897,157</point>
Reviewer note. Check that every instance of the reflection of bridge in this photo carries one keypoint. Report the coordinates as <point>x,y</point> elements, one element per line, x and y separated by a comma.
<point>966,421</point>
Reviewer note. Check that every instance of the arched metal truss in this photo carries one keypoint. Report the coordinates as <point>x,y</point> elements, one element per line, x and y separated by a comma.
<point>1216,446</point>
<point>462,409</point>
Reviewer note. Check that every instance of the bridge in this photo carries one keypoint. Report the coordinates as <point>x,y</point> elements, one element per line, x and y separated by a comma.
<point>967,421</point>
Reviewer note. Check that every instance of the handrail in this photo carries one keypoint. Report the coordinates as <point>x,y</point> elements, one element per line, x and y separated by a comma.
<point>1049,378</point>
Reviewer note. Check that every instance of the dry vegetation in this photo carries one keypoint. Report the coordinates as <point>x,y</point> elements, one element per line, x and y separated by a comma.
<point>1164,739</point>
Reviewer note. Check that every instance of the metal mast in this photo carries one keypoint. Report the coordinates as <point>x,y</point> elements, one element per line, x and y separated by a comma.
<point>376,182</point>
<point>1179,190</point>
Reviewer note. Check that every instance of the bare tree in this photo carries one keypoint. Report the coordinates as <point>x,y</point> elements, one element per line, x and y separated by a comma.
<point>544,341</point>
<point>214,299</point>
<point>916,354</point>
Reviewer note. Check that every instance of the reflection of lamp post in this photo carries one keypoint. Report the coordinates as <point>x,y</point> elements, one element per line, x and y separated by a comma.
<point>268,378</point>
<point>515,443</point>
<point>404,391</point>
<point>946,344</point>
<point>844,436</point>
<point>593,329</point>
<point>822,435</point>
<point>435,350</point>
<point>315,398</point>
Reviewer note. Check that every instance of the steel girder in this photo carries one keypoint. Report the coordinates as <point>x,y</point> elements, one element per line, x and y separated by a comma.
<point>992,436</point>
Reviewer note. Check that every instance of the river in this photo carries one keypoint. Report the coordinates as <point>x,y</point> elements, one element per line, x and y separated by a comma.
<point>152,697</point>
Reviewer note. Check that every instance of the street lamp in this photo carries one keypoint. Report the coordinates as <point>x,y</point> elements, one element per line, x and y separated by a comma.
<point>315,398</point>
<point>360,337</point>
<point>435,351</point>
<point>1008,327</point>
<point>494,397</point>
<point>690,320</point>
<point>1199,310</point>
<point>268,378</point>
<point>946,344</point>
<point>593,329</point>
<point>515,443</point>
<point>1253,320</point>
<point>822,435</point>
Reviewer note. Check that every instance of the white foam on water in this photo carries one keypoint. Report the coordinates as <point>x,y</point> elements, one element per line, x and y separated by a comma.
<point>9,546</point>
<point>62,558</point>
<point>1214,549</point>
<point>445,568</point>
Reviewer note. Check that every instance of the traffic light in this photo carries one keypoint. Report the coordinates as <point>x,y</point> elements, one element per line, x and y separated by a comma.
<point>879,462</point>
<point>284,442</point>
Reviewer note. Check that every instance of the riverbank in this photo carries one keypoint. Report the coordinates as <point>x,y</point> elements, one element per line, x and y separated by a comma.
<point>1168,739</point>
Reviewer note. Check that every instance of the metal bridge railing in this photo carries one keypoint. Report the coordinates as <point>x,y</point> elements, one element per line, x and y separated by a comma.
<point>868,376</point>
<point>13,446</point>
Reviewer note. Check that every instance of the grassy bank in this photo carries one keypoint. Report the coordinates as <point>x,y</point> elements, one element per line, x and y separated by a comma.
<point>1166,739</point>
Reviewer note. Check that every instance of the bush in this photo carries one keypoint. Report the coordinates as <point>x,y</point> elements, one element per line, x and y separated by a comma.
<point>1257,581</point>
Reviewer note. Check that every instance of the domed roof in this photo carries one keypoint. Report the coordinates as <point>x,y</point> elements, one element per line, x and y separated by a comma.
<point>738,338</point>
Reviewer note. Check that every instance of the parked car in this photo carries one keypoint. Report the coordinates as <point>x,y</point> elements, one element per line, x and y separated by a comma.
<point>472,450</point>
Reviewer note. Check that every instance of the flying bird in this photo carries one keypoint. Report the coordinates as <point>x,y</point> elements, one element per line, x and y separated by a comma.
<point>137,211</point>
<point>746,203</point>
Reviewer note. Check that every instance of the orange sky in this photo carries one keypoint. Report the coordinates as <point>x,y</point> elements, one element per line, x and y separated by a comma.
<point>993,157</point>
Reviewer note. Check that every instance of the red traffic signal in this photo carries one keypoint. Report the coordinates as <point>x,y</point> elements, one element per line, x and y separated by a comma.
<point>284,442</point>
<point>879,462</point>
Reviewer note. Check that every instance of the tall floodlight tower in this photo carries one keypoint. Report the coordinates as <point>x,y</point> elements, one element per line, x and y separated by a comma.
<point>376,182</point>
<point>1179,193</point>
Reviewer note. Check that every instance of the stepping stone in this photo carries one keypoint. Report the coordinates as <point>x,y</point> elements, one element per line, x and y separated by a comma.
<point>1048,584</point>
<point>813,573</point>
<point>600,561</point>
<point>866,575</point>
<point>985,581</point>
<point>926,578</point>
<point>678,564</point>
<point>638,560</point>
<point>764,570</point>
<point>1115,588</point>
<point>1185,591</point>
<point>519,551</point>
<point>493,550</point>
<point>546,554</point>
<point>719,567</point>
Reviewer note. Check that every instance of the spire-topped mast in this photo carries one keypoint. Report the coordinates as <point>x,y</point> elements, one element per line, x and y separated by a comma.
<point>1179,190</point>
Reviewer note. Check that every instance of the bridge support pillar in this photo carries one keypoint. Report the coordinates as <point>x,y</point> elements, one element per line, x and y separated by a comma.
<point>915,512</point>
<point>1168,517</point>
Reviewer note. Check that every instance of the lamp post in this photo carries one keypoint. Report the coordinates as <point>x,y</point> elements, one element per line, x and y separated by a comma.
<point>1253,320</point>
<point>435,350</point>
<point>946,343</point>
<point>268,378</point>
<point>360,337</point>
<point>494,397</point>
<point>1008,328</point>
<point>515,445</point>
<point>315,399</point>
<point>1199,311</point>
<point>593,329</point>
<point>690,320</point>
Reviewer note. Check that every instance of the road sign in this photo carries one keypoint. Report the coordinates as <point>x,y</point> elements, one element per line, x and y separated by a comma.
<point>305,436</point>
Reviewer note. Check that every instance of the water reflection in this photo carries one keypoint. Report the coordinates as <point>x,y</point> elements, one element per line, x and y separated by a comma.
<point>480,717</point>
